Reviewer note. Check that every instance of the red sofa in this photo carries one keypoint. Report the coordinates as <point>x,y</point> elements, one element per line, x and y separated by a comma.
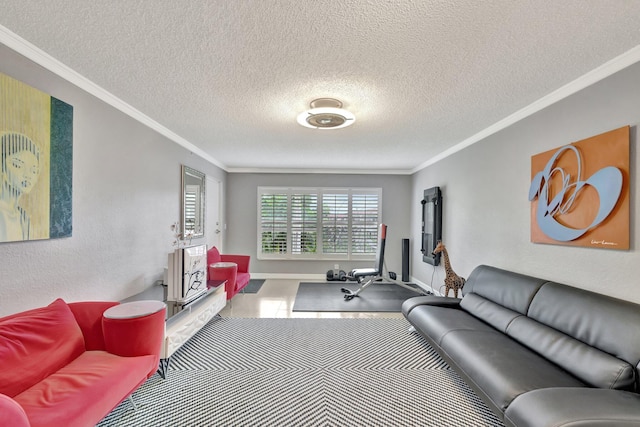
<point>64,366</point>
<point>237,278</point>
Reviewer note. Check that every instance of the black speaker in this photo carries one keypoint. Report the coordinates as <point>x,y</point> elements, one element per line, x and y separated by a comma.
<point>405,260</point>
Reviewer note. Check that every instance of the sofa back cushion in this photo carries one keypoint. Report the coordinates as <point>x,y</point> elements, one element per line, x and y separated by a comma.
<point>589,364</point>
<point>488,311</point>
<point>36,343</point>
<point>599,321</point>
<point>213,256</point>
<point>510,290</point>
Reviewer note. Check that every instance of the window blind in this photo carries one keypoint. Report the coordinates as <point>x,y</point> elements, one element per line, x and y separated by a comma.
<point>318,223</point>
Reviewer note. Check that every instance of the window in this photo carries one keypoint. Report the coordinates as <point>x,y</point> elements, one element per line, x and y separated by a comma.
<point>318,223</point>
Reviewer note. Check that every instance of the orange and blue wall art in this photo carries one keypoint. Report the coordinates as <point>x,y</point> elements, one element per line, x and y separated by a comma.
<point>579,193</point>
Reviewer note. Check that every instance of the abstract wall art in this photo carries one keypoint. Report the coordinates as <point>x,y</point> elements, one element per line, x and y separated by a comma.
<point>579,193</point>
<point>36,139</point>
<point>187,274</point>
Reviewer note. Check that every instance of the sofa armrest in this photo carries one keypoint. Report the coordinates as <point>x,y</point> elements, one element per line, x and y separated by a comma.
<point>89,317</point>
<point>11,413</point>
<point>414,302</point>
<point>577,407</point>
<point>138,336</point>
<point>241,260</point>
<point>227,273</point>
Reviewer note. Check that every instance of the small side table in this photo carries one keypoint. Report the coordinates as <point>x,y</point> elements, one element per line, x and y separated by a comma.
<point>225,271</point>
<point>134,309</point>
<point>134,328</point>
<point>224,264</point>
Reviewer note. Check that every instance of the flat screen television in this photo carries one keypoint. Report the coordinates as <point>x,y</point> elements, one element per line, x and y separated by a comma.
<point>431,224</point>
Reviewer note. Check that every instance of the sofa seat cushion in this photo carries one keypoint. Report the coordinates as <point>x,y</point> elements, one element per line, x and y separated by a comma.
<point>80,393</point>
<point>576,407</point>
<point>500,367</point>
<point>36,343</point>
<point>413,302</point>
<point>242,280</point>
<point>438,321</point>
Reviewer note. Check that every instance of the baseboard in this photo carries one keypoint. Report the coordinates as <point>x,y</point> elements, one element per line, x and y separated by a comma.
<point>424,286</point>
<point>288,276</point>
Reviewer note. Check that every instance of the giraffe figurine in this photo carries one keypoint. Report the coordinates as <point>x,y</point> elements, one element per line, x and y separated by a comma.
<point>451,280</point>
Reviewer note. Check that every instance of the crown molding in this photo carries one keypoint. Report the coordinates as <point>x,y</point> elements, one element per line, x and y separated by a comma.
<point>37,55</point>
<point>324,171</point>
<point>618,63</point>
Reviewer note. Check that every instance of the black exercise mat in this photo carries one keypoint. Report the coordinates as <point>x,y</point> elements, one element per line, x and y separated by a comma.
<point>378,297</point>
<point>253,286</point>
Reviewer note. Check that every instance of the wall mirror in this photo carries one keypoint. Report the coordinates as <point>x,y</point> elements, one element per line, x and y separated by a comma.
<point>431,224</point>
<point>193,202</point>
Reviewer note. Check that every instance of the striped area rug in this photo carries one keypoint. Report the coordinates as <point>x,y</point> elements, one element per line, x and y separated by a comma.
<point>305,372</point>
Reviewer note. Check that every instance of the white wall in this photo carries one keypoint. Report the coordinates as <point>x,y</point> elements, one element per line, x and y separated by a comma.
<point>126,194</point>
<point>242,217</point>
<point>485,191</point>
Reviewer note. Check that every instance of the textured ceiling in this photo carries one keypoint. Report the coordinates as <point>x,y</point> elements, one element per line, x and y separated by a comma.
<point>230,77</point>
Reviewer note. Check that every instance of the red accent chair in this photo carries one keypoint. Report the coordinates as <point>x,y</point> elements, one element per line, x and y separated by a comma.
<point>237,278</point>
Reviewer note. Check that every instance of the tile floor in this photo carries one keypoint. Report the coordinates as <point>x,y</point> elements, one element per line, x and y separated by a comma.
<point>276,298</point>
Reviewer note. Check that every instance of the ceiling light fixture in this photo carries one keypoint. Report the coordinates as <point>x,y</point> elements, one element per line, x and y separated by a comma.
<point>326,113</point>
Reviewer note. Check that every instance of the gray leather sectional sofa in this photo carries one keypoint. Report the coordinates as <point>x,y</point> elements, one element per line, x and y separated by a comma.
<point>538,353</point>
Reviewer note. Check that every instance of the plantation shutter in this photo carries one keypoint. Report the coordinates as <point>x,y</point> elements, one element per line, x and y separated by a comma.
<point>335,223</point>
<point>304,223</point>
<point>318,223</point>
<point>274,223</point>
<point>364,223</point>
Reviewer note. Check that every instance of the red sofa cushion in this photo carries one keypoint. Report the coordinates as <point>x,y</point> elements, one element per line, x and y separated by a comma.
<point>213,256</point>
<point>36,343</point>
<point>12,414</point>
<point>81,393</point>
<point>88,314</point>
<point>242,280</point>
